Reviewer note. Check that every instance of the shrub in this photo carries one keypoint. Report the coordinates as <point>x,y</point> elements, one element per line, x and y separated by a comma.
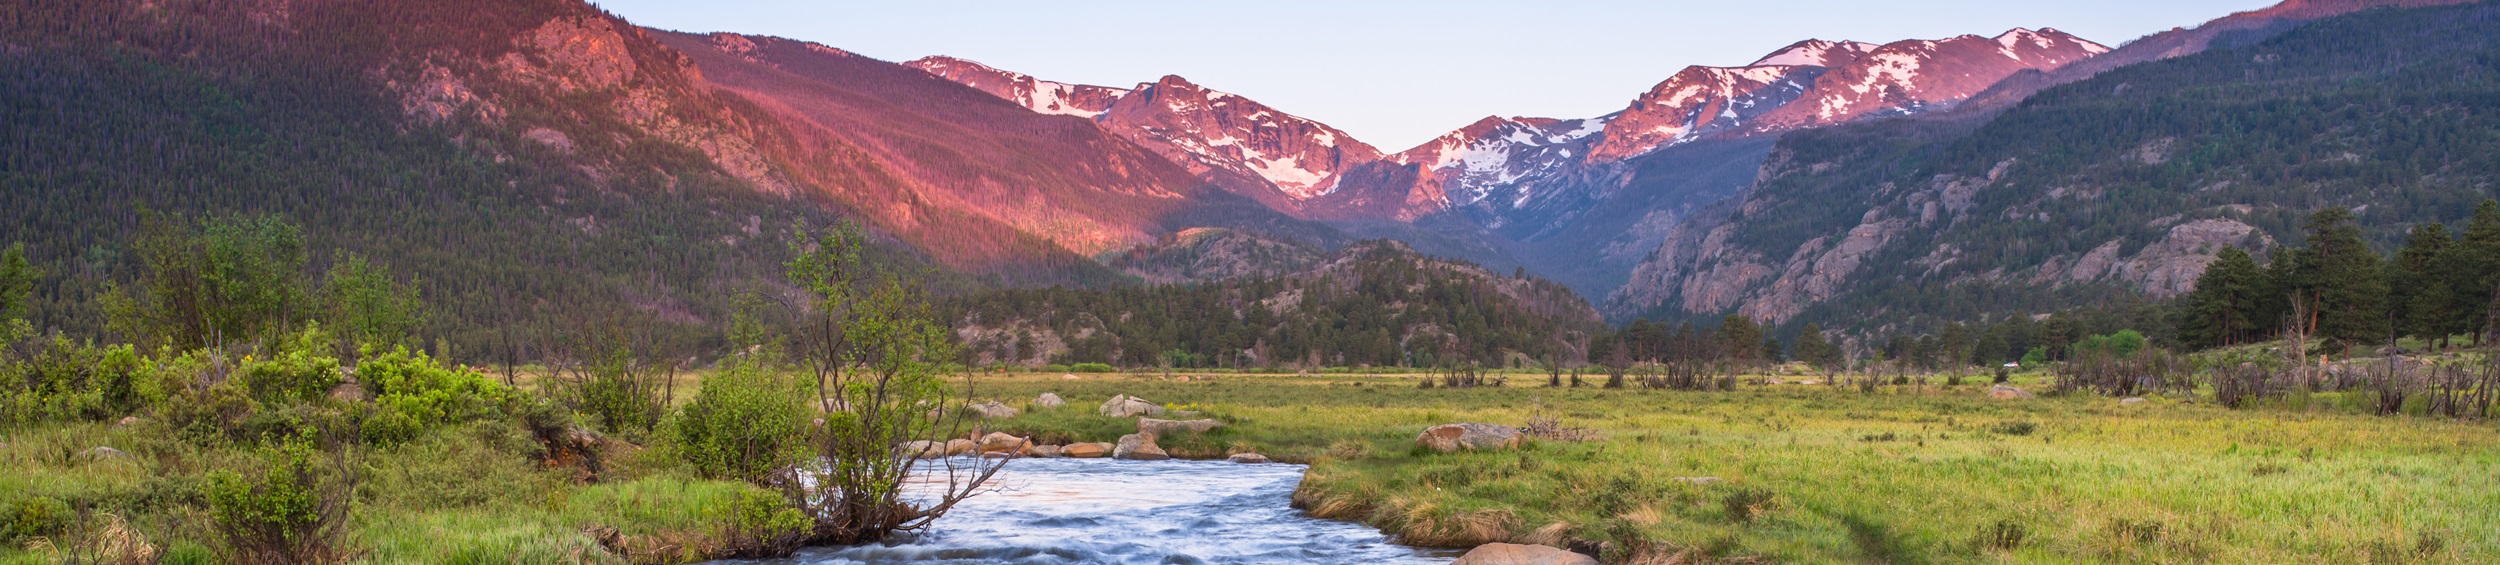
<point>760,524</point>
<point>288,514</point>
<point>297,371</point>
<point>35,517</point>
<point>412,393</point>
<point>2014,427</point>
<point>747,421</point>
<point>2004,535</point>
<point>1090,368</point>
<point>1744,504</point>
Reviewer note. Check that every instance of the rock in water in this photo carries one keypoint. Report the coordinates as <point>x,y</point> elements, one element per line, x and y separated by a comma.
<point>1453,437</point>
<point>2002,392</point>
<point>1248,458</point>
<point>1169,427</point>
<point>1515,554</point>
<point>993,410</point>
<point>1000,442</point>
<point>1048,400</point>
<point>1042,451</point>
<point>1139,447</point>
<point>960,446</point>
<point>1086,450</point>
<point>923,449</point>
<point>1124,406</point>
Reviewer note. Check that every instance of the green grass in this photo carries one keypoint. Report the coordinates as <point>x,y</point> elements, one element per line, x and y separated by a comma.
<point>1828,474</point>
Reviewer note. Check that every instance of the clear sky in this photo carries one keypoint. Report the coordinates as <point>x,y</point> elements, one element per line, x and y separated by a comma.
<point>1395,73</point>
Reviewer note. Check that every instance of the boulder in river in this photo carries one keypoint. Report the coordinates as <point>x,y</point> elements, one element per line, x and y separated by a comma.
<point>1139,447</point>
<point>993,410</point>
<point>1248,458</point>
<point>1453,437</point>
<point>1042,451</point>
<point>1171,427</point>
<point>1515,554</point>
<point>960,446</point>
<point>1000,442</point>
<point>2002,392</point>
<point>1048,400</point>
<point>1086,450</point>
<point>1124,406</point>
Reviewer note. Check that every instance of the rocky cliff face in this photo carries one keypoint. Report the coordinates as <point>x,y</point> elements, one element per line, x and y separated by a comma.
<point>1206,129</point>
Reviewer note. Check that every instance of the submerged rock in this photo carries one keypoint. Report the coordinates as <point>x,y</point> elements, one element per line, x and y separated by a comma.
<point>1139,447</point>
<point>1453,437</point>
<point>1248,458</point>
<point>1515,554</point>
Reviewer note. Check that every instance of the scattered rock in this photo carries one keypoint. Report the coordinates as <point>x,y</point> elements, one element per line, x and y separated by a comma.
<point>1000,442</point>
<point>993,410</point>
<point>1043,451</point>
<point>102,452</point>
<point>2002,392</point>
<point>2393,351</point>
<point>347,392</point>
<point>1169,427</point>
<point>128,420</point>
<point>1124,406</point>
<point>1515,554</point>
<point>1139,447</point>
<point>2130,400</point>
<point>1048,400</point>
<point>960,446</point>
<point>1700,480</point>
<point>1067,377</point>
<point>1248,458</point>
<point>1453,437</point>
<point>1086,450</point>
<point>1809,382</point>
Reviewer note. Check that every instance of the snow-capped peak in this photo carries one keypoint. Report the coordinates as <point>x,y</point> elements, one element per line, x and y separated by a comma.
<point>1039,95</point>
<point>1816,53</point>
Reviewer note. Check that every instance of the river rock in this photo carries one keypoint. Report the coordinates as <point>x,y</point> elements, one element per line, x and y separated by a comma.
<point>1000,442</point>
<point>1248,458</point>
<point>960,446</point>
<point>993,410</point>
<point>1139,447</point>
<point>1048,400</point>
<point>2002,392</point>
<point>1515,554</point>
<point>1453,437</point>
<point>1042,451</point>
<point>2130,400</point>
<point>1124,406</point>
<point>1171,427</point>
<point>1086,450</point>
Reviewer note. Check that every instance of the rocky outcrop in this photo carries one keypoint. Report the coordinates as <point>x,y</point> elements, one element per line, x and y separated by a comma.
<point>1175,427</point>
<point>1515,554</point>
<point>1453,437</point>
<point>1139,447</point>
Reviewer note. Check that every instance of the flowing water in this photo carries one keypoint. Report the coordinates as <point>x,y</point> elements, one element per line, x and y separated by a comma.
<point>1097,511</point>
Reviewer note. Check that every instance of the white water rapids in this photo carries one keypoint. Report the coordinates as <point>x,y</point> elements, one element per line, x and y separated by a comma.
<point>1098,511</point>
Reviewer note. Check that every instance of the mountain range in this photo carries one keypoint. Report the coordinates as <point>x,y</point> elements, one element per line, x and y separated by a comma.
<point>574,148</point>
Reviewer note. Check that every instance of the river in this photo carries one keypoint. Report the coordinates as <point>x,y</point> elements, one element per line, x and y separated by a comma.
<point>1099,511</point>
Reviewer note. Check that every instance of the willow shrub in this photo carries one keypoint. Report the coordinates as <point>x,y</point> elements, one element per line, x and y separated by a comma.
<point>748,420</point>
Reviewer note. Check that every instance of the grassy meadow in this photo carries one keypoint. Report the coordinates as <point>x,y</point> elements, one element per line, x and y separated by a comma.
<point>1817,473</point>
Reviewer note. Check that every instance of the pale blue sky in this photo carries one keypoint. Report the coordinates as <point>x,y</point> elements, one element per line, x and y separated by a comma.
<point>1395,73</point>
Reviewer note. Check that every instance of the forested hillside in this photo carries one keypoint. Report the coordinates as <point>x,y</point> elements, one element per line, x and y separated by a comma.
<point>1372,304</point>
<point>2126,183</point>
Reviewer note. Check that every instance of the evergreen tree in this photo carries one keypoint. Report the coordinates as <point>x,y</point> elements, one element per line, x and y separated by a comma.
<point>2473,272</point>
<point>2417,298</point>
<point>1814,350</point>
<point>2339,281</point>
<point>17,283</point>
<point>2224,309</point>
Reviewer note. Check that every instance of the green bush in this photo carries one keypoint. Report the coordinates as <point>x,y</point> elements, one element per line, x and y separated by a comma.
<point>40,516</point>
<point>761,524</point>
<point>1090,368</point>
<point>187,553</point>
<point>299,370</point>
<point>748,420</point>
<point>412,393</point>
<point>287,514</point>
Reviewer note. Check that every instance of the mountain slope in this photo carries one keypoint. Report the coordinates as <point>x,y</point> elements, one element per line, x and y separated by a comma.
<point>2122,184</point>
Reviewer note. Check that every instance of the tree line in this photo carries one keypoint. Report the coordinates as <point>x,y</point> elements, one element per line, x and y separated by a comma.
<point>2335,289</point>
